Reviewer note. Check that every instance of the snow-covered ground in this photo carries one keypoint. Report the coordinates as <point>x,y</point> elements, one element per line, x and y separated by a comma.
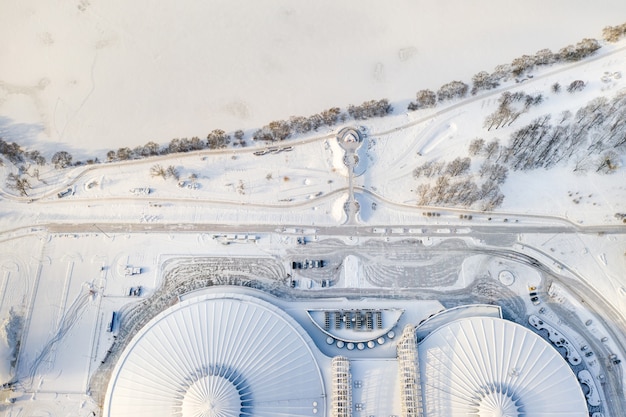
<point>89,76</point>
<point>308,175</point>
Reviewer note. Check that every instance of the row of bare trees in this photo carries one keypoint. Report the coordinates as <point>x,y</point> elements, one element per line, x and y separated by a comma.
<point>27,164</point>
<point>171,171</point>
<point>279,130</point>
<point>282,129</point>
<point>593,138</point>
<point>484,80</point>
<point>454,168</point>
<point>510,107</point>
<point>216,139</point>
<point>14,153</point>
<point>464,191</point>
<point>370,109</point>
<point>455,185</point>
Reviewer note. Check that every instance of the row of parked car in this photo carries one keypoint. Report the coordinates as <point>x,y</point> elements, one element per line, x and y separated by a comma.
<point>532,292</point>
<point>316,263</point>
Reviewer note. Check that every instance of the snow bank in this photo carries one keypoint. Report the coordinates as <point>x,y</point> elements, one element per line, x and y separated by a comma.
<point>9,330</point>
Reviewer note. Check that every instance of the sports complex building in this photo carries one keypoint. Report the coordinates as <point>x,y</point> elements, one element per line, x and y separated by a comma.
<point>228,352</point>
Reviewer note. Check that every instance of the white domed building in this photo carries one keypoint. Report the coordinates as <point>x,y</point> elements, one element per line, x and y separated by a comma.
<point>218,355</point>
<point>231,354</point>
<point>490,367</point>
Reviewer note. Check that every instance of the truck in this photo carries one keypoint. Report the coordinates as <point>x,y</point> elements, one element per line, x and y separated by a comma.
<point>115,318</point>
<point>65,193</point>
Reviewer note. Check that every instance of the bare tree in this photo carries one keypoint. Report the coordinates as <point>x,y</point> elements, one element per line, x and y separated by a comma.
<point>17,183</point>
<point>275,131</point>
<point>544,57</point>
<point>453,89</point>
<point>429,169</point>
<point>492,148</point>
<point>422,192</point>
<point>493,202</point>
<point>124,154</point>
<point>476,146</point>
<point>483,81</point>
<point>196,144</point>
<point>565,115</point>
<point>217,139</point>
<point>424,99</point>
<point>614,33</point>
<point>568,53</point>
<point>239,141</point>
<point>581,164</point>
<point>300,124</point>
<point>158,171</point>
<point>12,151</point>
<point>173,146</point>
<point>502,72</point>
<point>576,85</point>
<point>61,159</point>
<point>151,148</point>
<point>587,47</point>
<point>438,191</point>
<point>369,109</point>
<point>36,157</point>
<point>522,64</point>
<point>458,166</point>
<point>172,171</point>
<point>608,162</point>
<point>331,116</point>
<point>495,173</point>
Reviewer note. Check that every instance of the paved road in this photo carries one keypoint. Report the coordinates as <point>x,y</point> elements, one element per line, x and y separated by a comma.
<point>508,221</point>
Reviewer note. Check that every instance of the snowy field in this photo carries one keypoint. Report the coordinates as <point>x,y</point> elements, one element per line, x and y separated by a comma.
<point>89,76</point>
<point>307,174</point>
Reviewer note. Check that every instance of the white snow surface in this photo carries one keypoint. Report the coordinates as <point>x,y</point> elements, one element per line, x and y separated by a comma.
<point>7,353</point>
<point>90,75</point>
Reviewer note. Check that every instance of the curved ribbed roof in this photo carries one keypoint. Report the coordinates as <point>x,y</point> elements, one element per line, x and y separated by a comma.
<point>492,367</point>
<point>217,355</point>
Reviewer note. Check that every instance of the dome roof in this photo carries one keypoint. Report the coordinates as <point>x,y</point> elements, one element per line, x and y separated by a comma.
<point>490,367</point>
<point>217,355</point>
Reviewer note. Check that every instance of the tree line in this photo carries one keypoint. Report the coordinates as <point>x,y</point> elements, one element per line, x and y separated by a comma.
<point>484,80</point>
<point>282,129</point>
